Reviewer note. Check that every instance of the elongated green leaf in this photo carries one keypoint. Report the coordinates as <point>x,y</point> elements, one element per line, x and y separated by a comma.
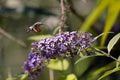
<point>81,66</point>
<point>82,58</point>
<point>38,37</point>
<point>101,35</point>
<point>118,63</point>
<point>94,15</point>
<point>103,69</point>
<point>113,12</point>
<point>108,73</point>
<point>112,42</point>
<point>58,64</point>
<point>85,57</point>
<point>117,3</point>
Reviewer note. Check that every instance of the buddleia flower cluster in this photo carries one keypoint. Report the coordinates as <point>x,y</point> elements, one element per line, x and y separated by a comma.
<point>61,45</point>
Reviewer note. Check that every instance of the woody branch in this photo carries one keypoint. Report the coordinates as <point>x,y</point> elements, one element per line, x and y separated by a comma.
<point>63,15</point>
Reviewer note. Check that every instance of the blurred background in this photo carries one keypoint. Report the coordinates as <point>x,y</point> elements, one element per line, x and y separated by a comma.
<point>15,43</point>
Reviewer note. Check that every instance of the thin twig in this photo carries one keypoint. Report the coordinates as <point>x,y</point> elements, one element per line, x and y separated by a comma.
<point>107,54</point>
<point>63,15</point>
<point>74,11</point>
<point>9,36</point>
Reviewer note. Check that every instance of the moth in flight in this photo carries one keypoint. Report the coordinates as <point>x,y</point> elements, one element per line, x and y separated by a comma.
<point>36,27</point>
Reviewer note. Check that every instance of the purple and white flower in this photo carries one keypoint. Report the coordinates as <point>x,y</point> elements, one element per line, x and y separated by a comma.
<point>68,43</point>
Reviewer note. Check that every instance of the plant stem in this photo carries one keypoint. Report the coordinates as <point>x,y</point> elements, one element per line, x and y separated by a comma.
<point>107,54</point>
<point>51,74</point>
<point>63,16</point>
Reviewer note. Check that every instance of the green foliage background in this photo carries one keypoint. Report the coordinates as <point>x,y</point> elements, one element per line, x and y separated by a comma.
<point>95,16</point>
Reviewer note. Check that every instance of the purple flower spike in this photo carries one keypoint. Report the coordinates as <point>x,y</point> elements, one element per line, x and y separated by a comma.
<point>68,43</point>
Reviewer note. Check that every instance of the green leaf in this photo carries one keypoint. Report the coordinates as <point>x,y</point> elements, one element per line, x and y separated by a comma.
<point>71,77</point>
<point>118,63</point>
<point>85,57</point>
<point>101,35</point>
<point>112,42</point>
<point>113,12</point>
<point>94,15</point>
<point>107,73</point>
<point>104,68</point>
<point>81,66</point>
<point>58,64</point>
<point>96,72</point>
<point>38,37</point>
